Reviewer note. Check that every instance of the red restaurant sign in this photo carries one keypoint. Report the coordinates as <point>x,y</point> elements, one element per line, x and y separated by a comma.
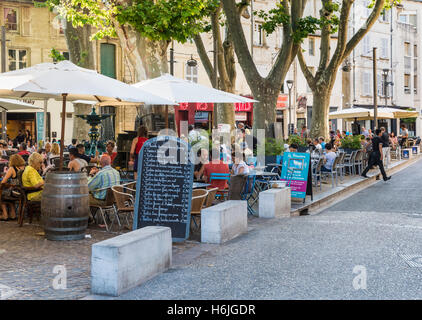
<point>197,106</point>
<point>282,101</point>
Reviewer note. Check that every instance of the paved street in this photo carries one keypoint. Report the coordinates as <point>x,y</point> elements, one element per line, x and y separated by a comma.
<point>313,257</point>
<point>27,262</point>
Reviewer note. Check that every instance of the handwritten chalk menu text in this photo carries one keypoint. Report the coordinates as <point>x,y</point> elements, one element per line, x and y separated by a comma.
<point>164,186</point>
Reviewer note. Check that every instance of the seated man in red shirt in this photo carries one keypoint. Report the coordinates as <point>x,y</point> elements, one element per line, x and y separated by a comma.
<point>216,166</point>
<point>22,150</point>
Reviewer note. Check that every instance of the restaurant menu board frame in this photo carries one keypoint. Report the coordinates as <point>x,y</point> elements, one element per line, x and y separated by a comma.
<point>298,174</point>
<point>164,186</point>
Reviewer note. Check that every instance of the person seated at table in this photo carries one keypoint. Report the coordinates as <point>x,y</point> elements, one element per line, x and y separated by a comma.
<point>76,164</point>
<point>216,166</point>
<point>322,142</point>
<point>239,165</point>
<point>317,146</point>
<point>101,179</point>
<point>3,148</point>
<point>329,158</point>
<point>82,155</point>
<point>16,163</point>
<point>31,177</point>
<point>199,168</point>
<point>54,154</point>
<point>393,141</point>
<point>293,147</point>
<point>22,150</point>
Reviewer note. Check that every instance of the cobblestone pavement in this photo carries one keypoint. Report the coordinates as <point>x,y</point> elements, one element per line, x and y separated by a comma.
<point>27,261</point>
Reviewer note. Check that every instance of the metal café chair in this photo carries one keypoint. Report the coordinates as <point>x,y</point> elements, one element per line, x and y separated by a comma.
<point>316,173</point>
<point>198,198</point>
<point>124,205</point>
<point>349,162</point>
<point>106,208</point>
<point>222,193</point>
<point>248,193</point>
<point>333,172</point>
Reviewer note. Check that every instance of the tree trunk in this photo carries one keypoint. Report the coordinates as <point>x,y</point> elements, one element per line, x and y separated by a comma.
<point>320,107</point>
<point>82,54</point>
<point>264,114</point>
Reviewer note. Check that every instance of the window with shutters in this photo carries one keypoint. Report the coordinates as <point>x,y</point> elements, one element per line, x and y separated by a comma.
<point>258,34</point>
<point>380,85</point>
<point>108,60</point>
<point>18,59</point>
<point>366,46</point>
<point>415,84</point>
<point>384,16</point>
<point>26,21</point>
<point>384,48</point>
<point>311,46</point>
<point>192,73</point>
<point>407,83</point>
<point>10,16</point>
<point>366,84</point>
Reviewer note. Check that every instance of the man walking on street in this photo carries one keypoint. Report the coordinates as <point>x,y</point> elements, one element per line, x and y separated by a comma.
<point>375,158</point>
<point>385,138</point>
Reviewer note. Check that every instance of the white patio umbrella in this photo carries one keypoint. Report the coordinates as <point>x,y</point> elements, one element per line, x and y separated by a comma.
<point>14,105</point>
<point>7,105</point>
<point>360,114</point>
<point>399,113</point>
<point>66,81</point>
<point>180,90</point>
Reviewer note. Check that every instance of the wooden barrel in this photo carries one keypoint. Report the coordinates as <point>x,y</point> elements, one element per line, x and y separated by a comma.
<point>65,205</point>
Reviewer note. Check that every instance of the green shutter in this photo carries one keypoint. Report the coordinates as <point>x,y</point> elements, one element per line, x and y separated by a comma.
<point>108,60</point>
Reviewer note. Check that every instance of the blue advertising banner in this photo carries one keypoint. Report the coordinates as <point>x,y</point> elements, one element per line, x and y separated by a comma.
<point>295,172</point>
<point>40,126</point>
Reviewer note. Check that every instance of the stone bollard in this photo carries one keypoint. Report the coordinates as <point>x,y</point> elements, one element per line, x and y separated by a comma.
<point>123,262</point>
<point>275,203</point>
<point>223,222</point>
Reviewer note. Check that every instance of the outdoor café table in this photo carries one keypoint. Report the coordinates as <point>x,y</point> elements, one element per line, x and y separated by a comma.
<point>276,167</point>
<point>199,185</point>
<point>262,183</point>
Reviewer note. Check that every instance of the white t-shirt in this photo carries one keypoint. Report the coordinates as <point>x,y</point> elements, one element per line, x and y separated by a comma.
<point>237,166</point>
<point>330,156</point>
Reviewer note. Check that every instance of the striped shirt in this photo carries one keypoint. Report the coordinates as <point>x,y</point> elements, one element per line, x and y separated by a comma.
<point>105,178</point>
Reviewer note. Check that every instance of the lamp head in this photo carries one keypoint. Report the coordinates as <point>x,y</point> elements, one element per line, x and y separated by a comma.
<point>289,84</point>
<point>192,62</point>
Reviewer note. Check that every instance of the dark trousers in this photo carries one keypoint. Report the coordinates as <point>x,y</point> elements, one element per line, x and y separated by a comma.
<point>375,159</point>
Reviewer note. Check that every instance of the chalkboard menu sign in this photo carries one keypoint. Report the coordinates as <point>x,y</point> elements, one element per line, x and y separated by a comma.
<point>164,186</point>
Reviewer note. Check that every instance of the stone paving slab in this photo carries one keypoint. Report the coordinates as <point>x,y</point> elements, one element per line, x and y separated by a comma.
<point>28,259</point>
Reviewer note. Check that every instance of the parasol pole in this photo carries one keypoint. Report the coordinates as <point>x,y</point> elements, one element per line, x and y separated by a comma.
<point>63,128</point>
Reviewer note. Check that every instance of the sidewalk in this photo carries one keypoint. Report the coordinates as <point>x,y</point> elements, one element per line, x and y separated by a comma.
<point>349,185</point>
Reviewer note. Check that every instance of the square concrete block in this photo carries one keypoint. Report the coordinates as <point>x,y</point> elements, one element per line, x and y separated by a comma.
<point>275,203</point>
<point>121,263</point>
<point>223,222</point>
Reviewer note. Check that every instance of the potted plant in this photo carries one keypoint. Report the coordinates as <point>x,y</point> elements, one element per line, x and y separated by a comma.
<point>299,141</point>
<point>351,143</point>
<point>273,150</point>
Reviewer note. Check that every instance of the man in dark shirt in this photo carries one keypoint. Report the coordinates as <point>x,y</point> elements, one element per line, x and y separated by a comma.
<point>82,155</point>
<point>385,147</point>
<point>375,157</point>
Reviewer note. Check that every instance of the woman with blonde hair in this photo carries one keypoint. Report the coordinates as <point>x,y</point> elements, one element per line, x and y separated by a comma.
<point>55,153</point>
<point>31,177</point>
<point>16,163</point>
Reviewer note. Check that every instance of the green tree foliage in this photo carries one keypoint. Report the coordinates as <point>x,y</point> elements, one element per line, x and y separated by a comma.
<point>154,19</point>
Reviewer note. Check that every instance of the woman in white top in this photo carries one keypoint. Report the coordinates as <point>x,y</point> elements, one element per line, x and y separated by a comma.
<point>239,165</point>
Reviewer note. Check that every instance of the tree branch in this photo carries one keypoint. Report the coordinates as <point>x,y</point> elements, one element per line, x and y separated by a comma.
<point>240,44</point>
<point>202,52</point>
<point>342,36</point>
<point>357,37</point>
<point>305,70</point>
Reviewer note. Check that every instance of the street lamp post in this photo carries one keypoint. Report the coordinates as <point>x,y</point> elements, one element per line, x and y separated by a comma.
<point>290,86</point>
<point>385,75</point>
